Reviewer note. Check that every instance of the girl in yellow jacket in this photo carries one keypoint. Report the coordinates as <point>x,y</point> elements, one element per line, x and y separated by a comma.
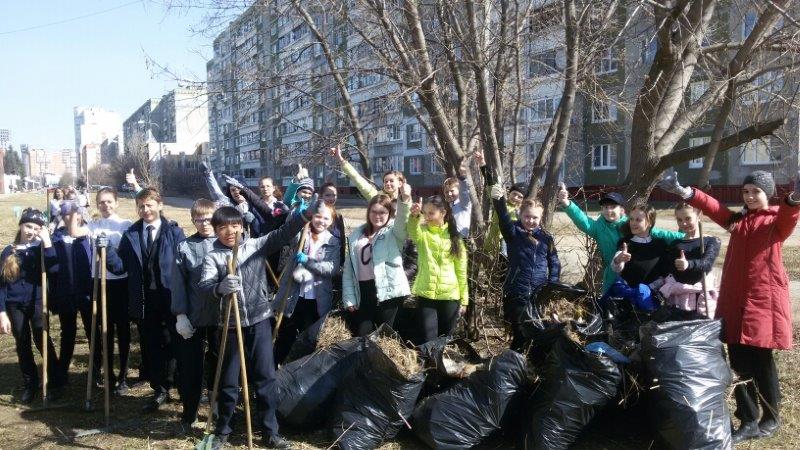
<point>441,283</point>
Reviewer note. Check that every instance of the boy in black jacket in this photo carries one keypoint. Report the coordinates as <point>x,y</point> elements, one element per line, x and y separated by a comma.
<point>250,284</point>
<point>197,313</point>
<point>147,253</point>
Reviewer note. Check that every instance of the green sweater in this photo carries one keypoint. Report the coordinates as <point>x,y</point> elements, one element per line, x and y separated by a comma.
<point>607,236</point>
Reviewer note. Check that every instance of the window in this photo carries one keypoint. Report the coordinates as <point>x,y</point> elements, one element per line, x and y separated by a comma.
<point>604,111</point>
<point>543,109</point>
<point>749,22</point>
<point>382,164</point>
<point>757,152</point>
<point>415,165</point>
<point>764,88</point>
<point>607,63</point>
<point>648,50</point>
<point>697,89</point>
<point>413,132</point>
<point>435,166</point>
<point>542,64</point>
<point>604,157</point>
<point>696,142</point>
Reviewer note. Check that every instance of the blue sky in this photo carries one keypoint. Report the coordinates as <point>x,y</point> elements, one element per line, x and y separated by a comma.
<point>96,60</point>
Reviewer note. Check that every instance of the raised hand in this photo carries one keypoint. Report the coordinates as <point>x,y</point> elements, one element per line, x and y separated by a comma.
<point>497,192</point>
<point>44,236</point>
<point>302,172</point>
<point>336,152</point>
<point>101,241</point>
<point>232,181</point>
<point>563,195</point>
<point>312,207</point>
<point>130,177</point>
<point>623,256</point>
<point>681,263</point>
<point>405,193</point>
<point>416,208</point>
<point>479,158</point>
<point>669,182</point>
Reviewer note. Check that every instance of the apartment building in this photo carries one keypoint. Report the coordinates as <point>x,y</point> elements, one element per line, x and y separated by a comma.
<point>258,126</point>
<point>97,132</point>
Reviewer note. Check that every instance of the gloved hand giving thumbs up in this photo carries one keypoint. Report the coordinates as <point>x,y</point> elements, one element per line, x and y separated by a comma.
<point>623,256</point>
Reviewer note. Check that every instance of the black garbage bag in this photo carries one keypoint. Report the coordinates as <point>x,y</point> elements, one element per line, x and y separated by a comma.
<point>449,361</point>
<point>542,331</point>
<point>376,400</point>
<point>463,415</point>
<point>304,389</point>
<point>575,385</point>
<point>689,373</point>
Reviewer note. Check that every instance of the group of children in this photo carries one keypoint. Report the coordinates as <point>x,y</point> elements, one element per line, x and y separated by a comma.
<point>296,259</point>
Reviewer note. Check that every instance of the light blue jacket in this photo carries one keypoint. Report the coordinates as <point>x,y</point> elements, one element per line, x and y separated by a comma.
<point>387,261</point>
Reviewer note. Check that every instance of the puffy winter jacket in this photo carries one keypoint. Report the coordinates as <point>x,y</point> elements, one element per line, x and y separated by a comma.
<point>323,264</point>
<point>387,261</point>
<point>607,236</point>
<point>532,256</point>
<point>440,275</point>
<point>254,298</point>
<point>187,298</point>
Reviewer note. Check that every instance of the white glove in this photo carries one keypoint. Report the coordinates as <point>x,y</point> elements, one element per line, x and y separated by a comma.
<point>229,285</point>
<point>669,182</point>
<point>497,191</point>
<point>183,326</point>
<point>232,181</point>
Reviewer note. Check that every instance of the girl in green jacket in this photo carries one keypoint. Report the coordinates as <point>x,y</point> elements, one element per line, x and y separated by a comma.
<point>441,283</point>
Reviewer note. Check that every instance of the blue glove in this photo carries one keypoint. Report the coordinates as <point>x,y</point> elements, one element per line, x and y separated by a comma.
<point>601,348</point>
<point>301,258</point>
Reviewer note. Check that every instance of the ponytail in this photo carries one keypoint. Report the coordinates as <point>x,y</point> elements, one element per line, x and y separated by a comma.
<point>10,269</point>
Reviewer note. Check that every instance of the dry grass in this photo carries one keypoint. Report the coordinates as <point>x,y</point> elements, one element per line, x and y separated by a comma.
<point>333,330</point>
<point>405,359</point>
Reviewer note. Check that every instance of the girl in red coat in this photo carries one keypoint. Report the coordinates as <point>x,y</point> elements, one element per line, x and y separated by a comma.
<point>754,293</point>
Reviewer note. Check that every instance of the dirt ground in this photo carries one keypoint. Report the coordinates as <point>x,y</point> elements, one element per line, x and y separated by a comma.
<point>27,428</point>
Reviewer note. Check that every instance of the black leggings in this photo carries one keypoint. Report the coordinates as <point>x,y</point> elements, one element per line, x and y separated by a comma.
<point>27,319</point>
<point>303,316</point>
<point>756,365</point>
<point>370,313</point>
<point>439,317</point>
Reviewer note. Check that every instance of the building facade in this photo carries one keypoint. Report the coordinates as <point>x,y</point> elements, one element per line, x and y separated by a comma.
<point>260,127</point>
<point>176,123</point>
<point>98,132</point>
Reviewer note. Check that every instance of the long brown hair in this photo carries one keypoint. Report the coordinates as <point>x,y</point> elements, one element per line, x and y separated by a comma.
<point>452,229</point>
<point>382,200</point>
<point>10,269</point>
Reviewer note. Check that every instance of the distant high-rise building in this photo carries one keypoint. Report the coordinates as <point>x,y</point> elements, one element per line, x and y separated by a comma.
<point>173,124</point>
<point>5,137</point>
<point>95,130</point>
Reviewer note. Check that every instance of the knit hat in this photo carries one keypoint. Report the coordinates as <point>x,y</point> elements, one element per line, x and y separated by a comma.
<point>520,187</point>
<point>31,215</point>
<point>306,183</point>
<point>762,180</point>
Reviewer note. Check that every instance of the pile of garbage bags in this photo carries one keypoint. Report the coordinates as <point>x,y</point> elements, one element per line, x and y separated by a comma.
<point>579,363</point>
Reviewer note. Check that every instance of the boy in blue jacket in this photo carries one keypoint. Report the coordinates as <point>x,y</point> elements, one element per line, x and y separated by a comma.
<point>147,253</point>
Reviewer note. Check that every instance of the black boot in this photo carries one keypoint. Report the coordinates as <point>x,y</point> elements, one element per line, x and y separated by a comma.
<point>769,426</point>
<point>277,441</point>
<point>28,394</point>
<point>747,430</point>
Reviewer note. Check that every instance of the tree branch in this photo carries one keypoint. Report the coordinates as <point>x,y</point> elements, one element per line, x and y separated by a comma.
<point>743,136</point>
